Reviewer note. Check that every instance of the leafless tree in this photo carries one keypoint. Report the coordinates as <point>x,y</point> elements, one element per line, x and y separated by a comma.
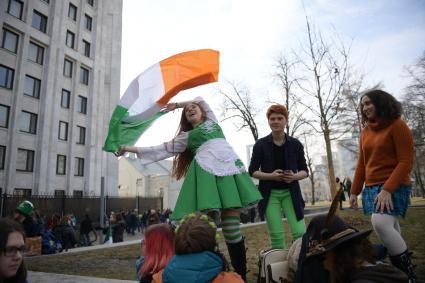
<point>349,119</point>
<point>414,114</point>
<point>285,75</point>
<point>239,106</point>
<point>325,64</point>
<point>310,168</point>
<point>415,91</point>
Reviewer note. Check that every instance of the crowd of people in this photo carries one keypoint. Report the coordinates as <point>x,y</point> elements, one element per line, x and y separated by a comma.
<point>182,246</point>
<point>132,222</point>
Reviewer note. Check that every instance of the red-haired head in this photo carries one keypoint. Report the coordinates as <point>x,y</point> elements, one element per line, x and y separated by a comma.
<point>277,109</point>
<point>159,248</point>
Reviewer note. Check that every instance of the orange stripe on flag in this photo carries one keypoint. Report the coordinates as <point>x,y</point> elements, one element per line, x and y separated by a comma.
<point>187,70</point>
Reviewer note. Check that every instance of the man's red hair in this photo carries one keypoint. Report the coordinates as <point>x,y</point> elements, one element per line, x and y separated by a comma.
<point>279,109</point>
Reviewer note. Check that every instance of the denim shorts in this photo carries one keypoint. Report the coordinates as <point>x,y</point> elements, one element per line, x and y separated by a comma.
<point>400,198</point>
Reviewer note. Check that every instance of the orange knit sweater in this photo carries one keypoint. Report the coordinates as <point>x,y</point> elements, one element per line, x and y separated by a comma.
<point>386,156</point>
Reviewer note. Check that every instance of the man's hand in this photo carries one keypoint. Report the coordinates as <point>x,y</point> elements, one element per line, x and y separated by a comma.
<point>277,175</point>
<point>289,176</point>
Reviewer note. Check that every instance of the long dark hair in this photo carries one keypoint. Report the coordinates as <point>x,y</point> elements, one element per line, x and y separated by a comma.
<point>182,160</point>
<point>387,108</point>
<point>7,227</point>
<point>348,256</point>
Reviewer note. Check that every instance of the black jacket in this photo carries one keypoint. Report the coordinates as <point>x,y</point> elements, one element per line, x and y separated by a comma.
<point>262,159</point>
<point>86,226</point>
<point>30,227</point>
<point>379,273</point>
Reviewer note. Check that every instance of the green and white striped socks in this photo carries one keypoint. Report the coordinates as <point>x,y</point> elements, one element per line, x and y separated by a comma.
<point>231,229</point>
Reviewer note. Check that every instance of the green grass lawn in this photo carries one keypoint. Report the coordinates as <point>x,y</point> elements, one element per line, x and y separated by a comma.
<point>118,263</point>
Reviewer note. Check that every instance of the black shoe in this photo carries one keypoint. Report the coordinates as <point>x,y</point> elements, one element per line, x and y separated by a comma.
<point>403,262</point>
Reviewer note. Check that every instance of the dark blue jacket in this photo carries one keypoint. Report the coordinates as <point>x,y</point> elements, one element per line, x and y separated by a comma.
<point>262,160</point>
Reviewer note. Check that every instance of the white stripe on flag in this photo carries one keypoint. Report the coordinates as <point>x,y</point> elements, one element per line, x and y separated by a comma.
<point>144,90</point>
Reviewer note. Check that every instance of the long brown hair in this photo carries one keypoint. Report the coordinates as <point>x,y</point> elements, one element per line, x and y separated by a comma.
<point>182,160</point>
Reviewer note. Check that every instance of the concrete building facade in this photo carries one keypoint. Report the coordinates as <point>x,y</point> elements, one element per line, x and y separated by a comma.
<point>152,180</point>
<point>59,83</point>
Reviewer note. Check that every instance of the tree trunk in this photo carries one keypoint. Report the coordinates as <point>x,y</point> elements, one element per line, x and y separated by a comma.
<point>418,177</point>
<point>331,170</point>
<point>313,197</point>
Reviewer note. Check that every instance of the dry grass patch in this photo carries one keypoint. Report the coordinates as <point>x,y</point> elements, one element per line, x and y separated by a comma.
<point>118,263</point>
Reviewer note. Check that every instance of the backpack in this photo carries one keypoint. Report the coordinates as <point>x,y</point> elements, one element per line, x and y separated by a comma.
<point>272,266</point>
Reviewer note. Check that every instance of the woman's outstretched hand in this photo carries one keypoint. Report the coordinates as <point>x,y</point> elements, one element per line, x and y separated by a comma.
<point>170,107</point>
<point>122,150</point>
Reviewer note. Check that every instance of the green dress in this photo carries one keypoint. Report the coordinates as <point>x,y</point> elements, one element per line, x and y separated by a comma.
<point>216,178</point>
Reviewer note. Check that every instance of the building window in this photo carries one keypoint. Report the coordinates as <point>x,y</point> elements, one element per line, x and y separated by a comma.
<point>72,12</point>
<point>4,116</point>
<point>15,8</point>
<point>22,192</point>
<point>25,160</point>
<point>90,2</point>
<point>84,76</point>
<point>59,193</point>
<point>6,77</point>
<point>67,68</point>
<point>32,86</point>
<point>86,46</point>
<point>82,104</point>
<point>65,98</point>
<point>2,156</point>
<point>28,122</point>
<point>36,53</point>
<point>10,40</point>
<point>88,22</point>
<point>70,38</point>
<point>39,21</point>
<point>61,164</point>
<point>79,166</point>
<point>81,131</point>
<point>46,1</point>
<point>77,193</point>
<point>63,131</point>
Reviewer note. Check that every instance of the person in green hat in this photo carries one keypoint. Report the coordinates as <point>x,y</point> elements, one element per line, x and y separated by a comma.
<point>23,214</point>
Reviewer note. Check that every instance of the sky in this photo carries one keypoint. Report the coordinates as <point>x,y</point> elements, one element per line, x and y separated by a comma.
<point>385,36</point>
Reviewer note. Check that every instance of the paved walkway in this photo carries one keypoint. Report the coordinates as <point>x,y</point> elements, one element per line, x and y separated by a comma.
<point>42,277</point>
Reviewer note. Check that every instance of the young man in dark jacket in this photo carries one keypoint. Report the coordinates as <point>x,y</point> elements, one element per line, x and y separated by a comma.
<point>278,162</point>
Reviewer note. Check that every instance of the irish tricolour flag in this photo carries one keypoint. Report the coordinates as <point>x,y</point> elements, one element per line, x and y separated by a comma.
<point>141,103</point>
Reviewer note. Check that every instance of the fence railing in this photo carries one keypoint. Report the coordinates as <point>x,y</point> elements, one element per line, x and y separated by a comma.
<point>48,205</point>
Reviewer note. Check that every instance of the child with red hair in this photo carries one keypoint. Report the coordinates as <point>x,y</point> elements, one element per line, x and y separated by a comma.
<point>157,248</point>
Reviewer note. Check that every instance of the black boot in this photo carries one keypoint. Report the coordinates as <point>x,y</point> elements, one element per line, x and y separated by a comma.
<point>237,254</point>
<point>403,262</point>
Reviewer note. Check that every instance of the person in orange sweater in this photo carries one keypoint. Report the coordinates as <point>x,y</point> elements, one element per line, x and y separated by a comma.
<point>384,164</point>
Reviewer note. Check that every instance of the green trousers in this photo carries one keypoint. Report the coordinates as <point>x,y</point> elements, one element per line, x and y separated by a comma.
<point>281,200</point>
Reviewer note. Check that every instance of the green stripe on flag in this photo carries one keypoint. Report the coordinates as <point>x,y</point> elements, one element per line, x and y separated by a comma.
<point>120,133</point>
